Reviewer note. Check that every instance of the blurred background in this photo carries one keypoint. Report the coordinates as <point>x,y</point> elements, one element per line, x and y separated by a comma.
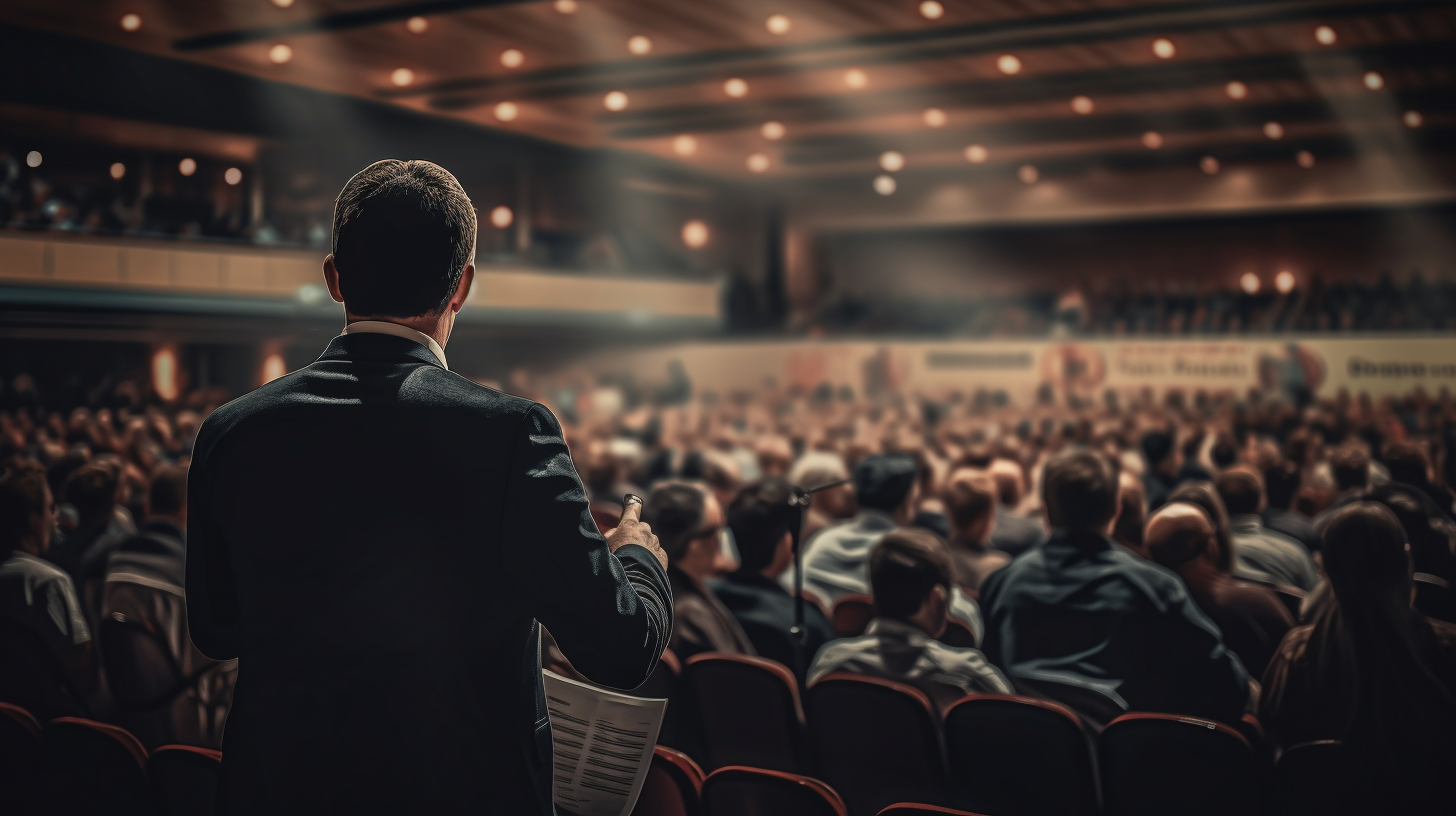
<point>1016,201</point>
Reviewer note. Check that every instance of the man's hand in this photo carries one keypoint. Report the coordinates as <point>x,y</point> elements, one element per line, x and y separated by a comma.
<point>632,531</point>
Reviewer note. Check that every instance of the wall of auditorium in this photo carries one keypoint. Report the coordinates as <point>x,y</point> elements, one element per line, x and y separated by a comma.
<point>1376,365</point>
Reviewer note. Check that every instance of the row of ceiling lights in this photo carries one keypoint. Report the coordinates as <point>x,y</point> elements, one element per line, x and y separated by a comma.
<point>186,167</point>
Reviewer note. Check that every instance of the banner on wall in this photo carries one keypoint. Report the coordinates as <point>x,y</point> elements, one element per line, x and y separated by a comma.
<point>1281,365</point>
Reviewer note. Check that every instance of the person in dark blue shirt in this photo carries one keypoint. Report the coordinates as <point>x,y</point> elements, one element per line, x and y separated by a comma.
<point>1084,610</point>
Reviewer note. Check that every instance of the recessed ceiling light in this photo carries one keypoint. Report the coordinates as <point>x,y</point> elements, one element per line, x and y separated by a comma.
<point>1152,140</point>
<point>615,101</point>
<point>1413,119</point>
<point>684,145</point>
<point>1250,283</point>
<point>1082,104</point>
<point>885,185</point>
<point>639,45</point>
<point>402,76</point>
<point>1236,90</point>
<point>1324,35</point>
<point>283,3</point>
<point>1374,81</point>
<point>1208,164</point>
<point>33,158</point>
<point>934,117</point>
<point>975,154</point>
<point>1304,159</point>
<point>502,217</point>
<point>512,58</point>
<point>931,10</point>
<point>855,78</point>
<point>118,170</point>
<point>735,88</point>
<point>695,234</point>
<point>1274,130</point>
<point>1284,281</point>
<point>507,111</point>
<point>892,161</point>
<point>565,6</point>
<point>778,24</point>
<point>417,25</point>
<point>187,167</point>
<point>131,22</point>
<point>232,176</point>
<point>1008,64</point>
<point>280,54</point>
<point>758,162</point>
<point>1163,48</point>
<point>1027,173</point>
<point>773,131</point>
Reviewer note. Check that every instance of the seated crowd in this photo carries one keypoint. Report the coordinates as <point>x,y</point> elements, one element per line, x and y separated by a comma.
<point>1230,559</point>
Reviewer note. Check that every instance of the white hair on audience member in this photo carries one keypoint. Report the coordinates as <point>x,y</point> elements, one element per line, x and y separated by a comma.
<point>816,468</point>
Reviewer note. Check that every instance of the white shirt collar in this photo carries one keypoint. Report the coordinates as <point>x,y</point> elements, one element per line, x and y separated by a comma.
<point>384,327</point>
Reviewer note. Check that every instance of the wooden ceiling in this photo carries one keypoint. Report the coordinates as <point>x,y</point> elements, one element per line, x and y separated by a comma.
<point>1099,49</point>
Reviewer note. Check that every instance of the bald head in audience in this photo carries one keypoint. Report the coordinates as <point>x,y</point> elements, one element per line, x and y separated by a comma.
<point>1179,534</point>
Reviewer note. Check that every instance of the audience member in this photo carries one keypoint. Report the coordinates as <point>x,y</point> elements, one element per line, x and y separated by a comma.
<point>1281,483</point>
<point>1132,512</point>
<point>94,490</point>
<point>1203,494</point>
<point>1260,554</point>
<point>1350,467</point>
<point>1080,608</point>
<point>1408,464</point>
<point>970,507</point>
<point>144,585</point>
<point>1252,620</point>
<point>911,576</point>
<point>688,522</point>
<point>835,559</point>
<point>1013,534</point>
<point>1164,461</point>
<point>815,469</point>
<point>1431,535</point>
<point>34,593</point>
<point>1371,672</point>
<point>761,518</point>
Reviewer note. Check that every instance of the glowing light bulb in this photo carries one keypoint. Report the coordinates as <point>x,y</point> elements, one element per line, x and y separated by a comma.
<point>507,111</point>
<point>695,234</point>
<point>1374,81</point>
<point>402,77</point>
<point>1152,140</point>
<point>1273,130</point>
<point>855,78</point>
<point>1236,90</point>
<point>615,101</point>
<point>885,185</point>
<point>1284,281</point>
<point>1082,104</point>
<point>975,154</point>
<point>512,58</point>
<point>565,6</point>
<point>1413,119</point>
<point>892,161</point>
<point>1163,48</point>
<point>1324,35</point>
<point>1008,64</point>
<point>684,145</point>
<point>1208,164</point>
<point>501,217</point>
<point>758,162</point>
<point>735,88</point>
<point>233,176</point>
<point>187,167</point>
<point>1027,173</point>
<point>1249,282</point>
<point>773,131</point>
<point>778,24</point>
<point>639,45</point>
<point>164,374</point>
<point>273,367</point>
<point>280,54</point>
<point>417,25</point>
<point>131,22</point>
<point>1304,159</point>
<point>118,170</point>
<point>934,117</point>
<point>32,159</point>
<point>931,10</point>
<point>283,3</point>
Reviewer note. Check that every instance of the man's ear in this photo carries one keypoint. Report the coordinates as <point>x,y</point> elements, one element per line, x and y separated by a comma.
<point>462,290</point>
<point>331,279</point>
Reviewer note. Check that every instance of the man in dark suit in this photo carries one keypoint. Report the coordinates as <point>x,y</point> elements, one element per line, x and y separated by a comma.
<point>376,538</point>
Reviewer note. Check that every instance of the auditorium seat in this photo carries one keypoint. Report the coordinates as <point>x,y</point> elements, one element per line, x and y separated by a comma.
<point>34,678</point>
<point>877,742</point>
<point>1311,779</point>
<point>22,785</point>
<point>749,712</point>
<point>1095,708</point>
<point>143,676</point>
<point>96,769</point>
<point>1002,749</point>
<point>1155,764</point>
<point>184,779</point>
<point>852,615</point>
<point>674,786</point>
<point>740,791</point>
<point>911,809</point>
<point>776,644</point>
<point>1434,597</point>
<point>663,681</point>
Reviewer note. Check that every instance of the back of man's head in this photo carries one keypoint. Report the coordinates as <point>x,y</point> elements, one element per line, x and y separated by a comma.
<point>1177,534</point>
<point>759,517</point>
<point>815,468</point>
<point>1157,447</point>
<point>1010,479</point>
<point>167,495</point>
<point>1407,463</point>
<point>676,511</point>
<point>1079,489</point>
<point>22,503</point>
<point>883,481</point>
<point>1351,466</point>
<point>1242,491</point>
<point>970,504</point>
<point>92,491</point>
<point>904,567</point>
<point>403,233</point>
<point>1281,482</point>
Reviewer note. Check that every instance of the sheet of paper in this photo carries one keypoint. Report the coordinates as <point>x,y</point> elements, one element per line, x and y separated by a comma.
<point>603,741</point>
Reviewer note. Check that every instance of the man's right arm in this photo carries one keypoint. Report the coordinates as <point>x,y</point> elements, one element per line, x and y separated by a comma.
<point>212,603</point>
<point>609,607</point>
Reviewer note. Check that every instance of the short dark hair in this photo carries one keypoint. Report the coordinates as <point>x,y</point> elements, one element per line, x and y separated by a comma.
<point>1240,490</point>
<point>403,233</point>
<point>22,496</point>
<point>759,517</point>
<point>967,501</point>
<point>1351,466</point>
<point>1281,482</point>
<point>676,512</point>
<point>1407,463</point>
<point>882,481</point>
<point>92,491</point>
<point>1079,488</point>
<point>1157,446</point>
<point>167,495</point>
<point>904,567</point>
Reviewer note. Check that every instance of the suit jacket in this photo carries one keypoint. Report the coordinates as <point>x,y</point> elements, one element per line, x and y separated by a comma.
<point>375,539</point>
<point>700,621</point>
<point>1083,608</point>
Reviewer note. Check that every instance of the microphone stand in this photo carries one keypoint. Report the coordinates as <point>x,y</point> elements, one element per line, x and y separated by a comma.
<point>799,500</point>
